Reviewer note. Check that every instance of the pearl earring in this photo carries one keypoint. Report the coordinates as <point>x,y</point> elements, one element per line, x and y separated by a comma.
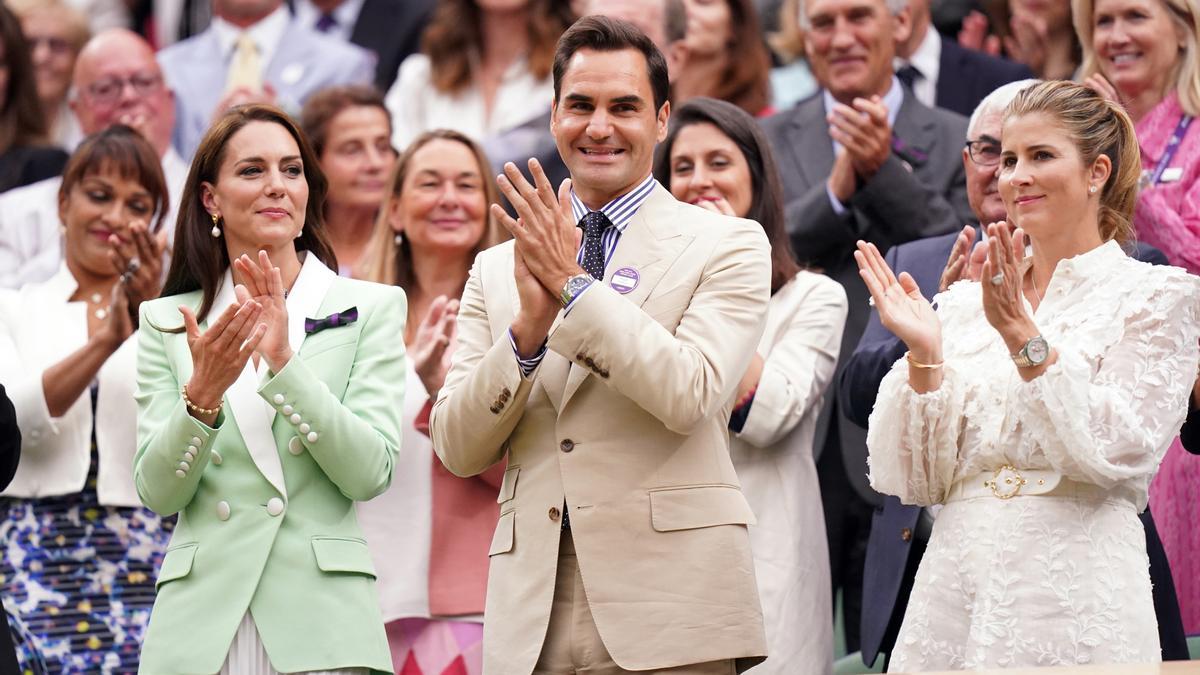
<point>399,238</point>
<point>216,228</point>
<point>1092,189</point>
<point>300,233</point>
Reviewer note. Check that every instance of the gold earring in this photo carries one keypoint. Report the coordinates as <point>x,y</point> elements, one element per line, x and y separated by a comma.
<point>216,228</point>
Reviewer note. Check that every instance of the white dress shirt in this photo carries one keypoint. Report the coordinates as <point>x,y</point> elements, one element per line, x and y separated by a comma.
<point>30,236</point>
<point>345,15</point>
<point>927,59</point>
<point>266,35</point>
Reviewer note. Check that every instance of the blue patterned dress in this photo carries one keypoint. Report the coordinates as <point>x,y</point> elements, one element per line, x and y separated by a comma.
<point>77,578</point>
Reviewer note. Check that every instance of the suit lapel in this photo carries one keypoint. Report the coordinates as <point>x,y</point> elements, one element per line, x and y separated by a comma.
<point>646,247</point>
<point>813,154</point>
<point>915,129</point>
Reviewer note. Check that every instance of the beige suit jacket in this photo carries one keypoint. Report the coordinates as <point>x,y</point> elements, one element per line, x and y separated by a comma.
<point>624,420</point>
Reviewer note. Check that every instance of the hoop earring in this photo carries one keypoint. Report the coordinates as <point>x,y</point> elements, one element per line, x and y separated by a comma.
<point>216,228</point>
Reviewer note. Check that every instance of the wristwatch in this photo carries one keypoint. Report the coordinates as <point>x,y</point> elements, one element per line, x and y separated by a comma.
<point>574,287</point>
<point>1034,353</point>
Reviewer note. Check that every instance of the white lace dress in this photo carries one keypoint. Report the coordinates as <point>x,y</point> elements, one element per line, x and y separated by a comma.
<point>1042,580</point>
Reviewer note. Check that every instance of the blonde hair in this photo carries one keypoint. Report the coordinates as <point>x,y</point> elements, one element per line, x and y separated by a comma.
<point>75,21</point>
<point>1098,127</point>
<point>788,41</point>
<point>1184,15</point>
<point>390,263</point>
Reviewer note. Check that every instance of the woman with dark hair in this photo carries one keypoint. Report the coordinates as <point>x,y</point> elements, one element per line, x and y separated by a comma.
<point>1035,406</point>
<point>267,570</point>
<point>79,550</point>
<point>716,156</point>
<point>24,157</point>
<point>727,57</point>
<point>484,67</point>
<point>351,134</point>
<point>430,532</point>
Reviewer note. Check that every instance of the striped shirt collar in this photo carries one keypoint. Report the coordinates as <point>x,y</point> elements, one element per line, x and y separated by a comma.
<point>620,210</point>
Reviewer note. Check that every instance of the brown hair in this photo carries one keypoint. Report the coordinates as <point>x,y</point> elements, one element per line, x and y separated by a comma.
<point>453,39</point>
<point>320,109</point>
<point>606,34</point>
<point>746,81</point>
<point>21,119</point>
<point>788,41</point>
<point>122,149</point>
<point>199,260</point>
<point>1184,15</point>
<point>1098,127</point>
<point>389,263</point>
<point>766,203</point>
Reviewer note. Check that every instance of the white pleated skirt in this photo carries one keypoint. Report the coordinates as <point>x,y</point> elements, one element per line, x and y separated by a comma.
<point>247,656</point>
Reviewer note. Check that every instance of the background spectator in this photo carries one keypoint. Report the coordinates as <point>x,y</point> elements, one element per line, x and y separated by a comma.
<point>56,32</point>
<point>1036,33</point>
<point>791,79</point>
<point>71,374</point>
<point>716,157</point>
<point>429,533</point>
<point>24,156</point>
<point>484,67</point>
<point>727,57</point>
<point>351,133</point>
<point>389,29</point>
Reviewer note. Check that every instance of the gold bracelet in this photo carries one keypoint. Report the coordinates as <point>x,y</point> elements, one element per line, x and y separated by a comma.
<point>197,409</point>
<point>923,366</point>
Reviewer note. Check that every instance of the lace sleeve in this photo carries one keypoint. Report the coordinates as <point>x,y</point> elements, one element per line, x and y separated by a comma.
<point>1108,417</point>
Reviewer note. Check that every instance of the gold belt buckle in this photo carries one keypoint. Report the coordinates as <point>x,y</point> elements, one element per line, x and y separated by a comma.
<point>1006,483</point>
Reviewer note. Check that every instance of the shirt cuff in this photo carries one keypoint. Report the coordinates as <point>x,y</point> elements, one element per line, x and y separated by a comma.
<point>530,364</point>
<point>838,207</point>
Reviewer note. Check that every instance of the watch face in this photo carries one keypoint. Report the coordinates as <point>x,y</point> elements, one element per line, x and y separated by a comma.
<point>1038,350</point>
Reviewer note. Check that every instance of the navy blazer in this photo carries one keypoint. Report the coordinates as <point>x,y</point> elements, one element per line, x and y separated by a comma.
<point>966,76</point>
<point>890,542</point>
<point>391,30</point>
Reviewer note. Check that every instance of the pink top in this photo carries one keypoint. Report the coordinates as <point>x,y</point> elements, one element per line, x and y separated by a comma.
<point>1168,214</point>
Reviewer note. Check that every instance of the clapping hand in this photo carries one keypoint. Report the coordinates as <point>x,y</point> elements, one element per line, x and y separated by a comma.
<point>965,262</point>
<point>1003,274</point>
<point>1027,43</point>
<point>1099,84</point>
<point>219,353</point>
<point>263,283</point>
<point>139,260</point>
<point>902,308</point>
<point>864,131</point>
<point>545,231</point>
<point>974,34</point>
<point>436,337</point>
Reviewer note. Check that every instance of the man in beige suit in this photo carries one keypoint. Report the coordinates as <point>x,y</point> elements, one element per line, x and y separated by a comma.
<point>603,365</point>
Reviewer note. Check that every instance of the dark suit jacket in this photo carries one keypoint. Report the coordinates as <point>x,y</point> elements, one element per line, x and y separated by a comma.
<point>966,76</point>
<point>10,455</point>
<point>919,192</point>
<point>391,29</point>
<point>887,549</point>
<point>523,142</point>
<point>1189,435</point>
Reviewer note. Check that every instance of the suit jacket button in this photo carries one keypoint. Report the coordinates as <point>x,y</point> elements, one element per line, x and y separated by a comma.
<point>504,396</point>
<point>294,445</point>
<point>495,410</point>
<point>579,356</point>
<point>555,514</point>
<point>223,510</point>
<point>906,534</point>
<point>216,458</point>
<point>567,445</point>
<point>274,506</point>
<point>604,374</point>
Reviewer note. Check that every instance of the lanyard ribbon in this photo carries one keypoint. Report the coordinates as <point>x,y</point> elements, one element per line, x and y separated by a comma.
<point>1172,146</point>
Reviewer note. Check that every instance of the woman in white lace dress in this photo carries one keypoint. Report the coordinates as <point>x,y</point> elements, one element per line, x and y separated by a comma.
<point>1035,405</point>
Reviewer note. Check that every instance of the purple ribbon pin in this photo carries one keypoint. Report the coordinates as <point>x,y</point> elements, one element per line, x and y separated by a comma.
<point>342,318</point>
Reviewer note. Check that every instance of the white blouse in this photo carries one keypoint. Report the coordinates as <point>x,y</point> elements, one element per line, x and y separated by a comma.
<point>417,106</point>
<point>1050,579</point>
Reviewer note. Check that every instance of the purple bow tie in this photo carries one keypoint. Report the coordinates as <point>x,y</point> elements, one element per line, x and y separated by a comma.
<point>342,318</point>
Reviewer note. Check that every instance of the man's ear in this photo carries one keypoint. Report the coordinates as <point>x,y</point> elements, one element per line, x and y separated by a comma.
<point>664,119</point>
<point>554,116</point>
<point>902,26</point>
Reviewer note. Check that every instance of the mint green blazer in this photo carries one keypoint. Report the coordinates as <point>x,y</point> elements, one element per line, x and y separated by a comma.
<point>266,497</point>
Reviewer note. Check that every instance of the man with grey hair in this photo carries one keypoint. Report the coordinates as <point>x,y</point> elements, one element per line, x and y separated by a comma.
<point>863,159</point>
<point>899,533</point>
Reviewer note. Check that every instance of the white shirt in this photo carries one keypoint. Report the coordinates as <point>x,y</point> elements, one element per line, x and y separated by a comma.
<point>1041,580</point>
<point>266,35</point>
<point>927,59</point>
<point>30,237</point>
<point>417,106</point>
<point>345,15</point>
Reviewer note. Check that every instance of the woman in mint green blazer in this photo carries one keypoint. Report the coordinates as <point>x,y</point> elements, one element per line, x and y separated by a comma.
<point>269,399</point>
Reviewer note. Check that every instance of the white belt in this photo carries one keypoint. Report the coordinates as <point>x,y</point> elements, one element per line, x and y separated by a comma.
<point>1008,482</point>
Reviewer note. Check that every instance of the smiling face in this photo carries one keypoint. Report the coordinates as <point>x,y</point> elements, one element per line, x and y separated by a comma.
<point>1043,179</point>
<point>850,45</point>
<point>983,191</point>
<point>101,204</point>
<point>261,191</point>
<point>1138,45</point>
<point>358,157</point>
<point>605,124</point>
<point>707,166</point>
<point>53,52</point>
<point>708,27</point>
<point>442,206</point>
<point>119,82</point>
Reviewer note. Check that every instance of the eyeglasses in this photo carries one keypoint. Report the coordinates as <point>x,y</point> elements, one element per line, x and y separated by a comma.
<point>984,151</point>
<point>109,90</point>
<point>55,45</point>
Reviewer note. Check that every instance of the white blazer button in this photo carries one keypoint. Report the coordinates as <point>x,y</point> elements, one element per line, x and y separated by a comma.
<point>223,510</point>
<point>295,418</point>
<point>189,456</point>
<point>294,446</point>
<point>312,437</point>
<point>180,473</point>
<point>216,458</point>
<point>193,448</point>
<point>274,506</point>
<point>196,441</point>
<point>184,466</point>
<point>279,399</point>
<point>305,428</point>
<point>287,410</point>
